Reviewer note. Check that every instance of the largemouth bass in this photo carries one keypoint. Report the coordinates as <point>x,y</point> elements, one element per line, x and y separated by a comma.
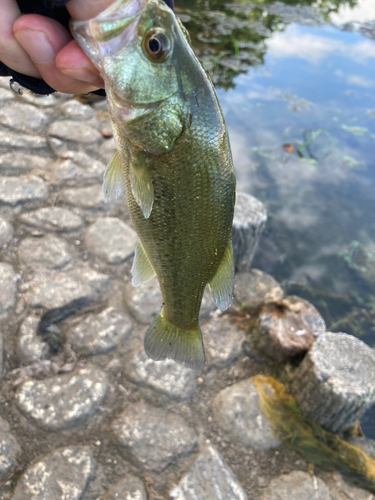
<point>173,159</point>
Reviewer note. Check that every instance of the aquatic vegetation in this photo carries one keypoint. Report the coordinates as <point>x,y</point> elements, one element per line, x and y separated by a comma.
<point>314,444</point>
<point>359,131</point>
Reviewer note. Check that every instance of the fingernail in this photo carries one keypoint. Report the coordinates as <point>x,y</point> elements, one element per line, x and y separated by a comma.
<point>36,45</point>
<point>84,75</point>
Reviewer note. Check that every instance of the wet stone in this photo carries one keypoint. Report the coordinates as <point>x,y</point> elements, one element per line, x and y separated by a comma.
<point>87,197</point>
<point>107,150</point>
<point>18,190</point>
<point>64,401</point>
<point>31,347</point>
<point>22,163</point>
<point>67,136</point>
<point>209,478</point>
<point>53,219</point>
<point>9,449</point>
<point>49,252</point>
<point>111,239</point>
<point>237,412</point>
<point>11,141</point>
<point>6,231</point>
<point>63,474</point>
<point>151,437</point>
<point>287,328</point>
<point>128,488</point>
<point>297,485</point>
<point>21,116</point>
<point>341,490</point>
<point>68,170</point>
<point>167,376</point>
<point>8,288</point>
<point>100,333</point>
<point>254,288</point>
<point>145,301</point>
<point>77,111</point>
<point>65,287</point>
<point>222,340</point>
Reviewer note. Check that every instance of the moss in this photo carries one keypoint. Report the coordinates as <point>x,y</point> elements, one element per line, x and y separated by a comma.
<point>314,444</point>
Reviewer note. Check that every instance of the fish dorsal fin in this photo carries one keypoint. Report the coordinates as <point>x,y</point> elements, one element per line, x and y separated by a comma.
<point>142,270</point>
<point>141,184</point>
<point>113,180</point>
<point>222,284</point>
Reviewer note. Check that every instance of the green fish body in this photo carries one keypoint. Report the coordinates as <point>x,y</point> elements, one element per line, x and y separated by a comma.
<point>173,160</point>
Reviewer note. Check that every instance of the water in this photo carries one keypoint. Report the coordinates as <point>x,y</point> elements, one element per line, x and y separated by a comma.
<point>296,82</point>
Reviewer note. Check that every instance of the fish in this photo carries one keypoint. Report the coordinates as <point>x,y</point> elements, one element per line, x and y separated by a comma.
<point>173,160</point>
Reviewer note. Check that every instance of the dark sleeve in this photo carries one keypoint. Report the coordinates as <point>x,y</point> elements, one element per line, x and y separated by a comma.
<point>55,9</point>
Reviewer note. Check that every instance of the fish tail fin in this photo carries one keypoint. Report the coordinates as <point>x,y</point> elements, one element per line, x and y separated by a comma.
<point>165,340</point>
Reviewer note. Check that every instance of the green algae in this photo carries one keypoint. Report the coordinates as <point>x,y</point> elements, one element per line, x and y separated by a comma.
<point>314,444</point>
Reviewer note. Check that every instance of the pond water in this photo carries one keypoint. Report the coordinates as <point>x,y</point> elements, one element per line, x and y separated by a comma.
<point>296,81</point>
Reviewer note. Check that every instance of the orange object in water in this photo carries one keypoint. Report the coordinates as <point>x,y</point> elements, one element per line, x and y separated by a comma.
<point>288,148</point>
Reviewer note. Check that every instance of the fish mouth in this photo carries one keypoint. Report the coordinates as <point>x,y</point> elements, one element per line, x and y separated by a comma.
<point>130,110</point>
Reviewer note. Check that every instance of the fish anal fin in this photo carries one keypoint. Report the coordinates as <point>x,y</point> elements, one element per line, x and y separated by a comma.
<point>166,340</point>
<point>222,284</point>
<point>142,270</point>
<point>141,184</point>
<point>113,180</point>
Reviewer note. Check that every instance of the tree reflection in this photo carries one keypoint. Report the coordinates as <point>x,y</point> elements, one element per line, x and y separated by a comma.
<point>230,36</point>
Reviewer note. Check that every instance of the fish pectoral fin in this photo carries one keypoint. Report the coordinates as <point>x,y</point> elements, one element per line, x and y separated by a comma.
<point>222,284</point>
<point>141,184</point>
<point>166,340</point>
<point>113,180</point>
<point>142,270</point>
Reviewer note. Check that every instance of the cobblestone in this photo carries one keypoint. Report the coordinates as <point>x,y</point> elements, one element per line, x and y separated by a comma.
<point>237,412</point>
<point>68,170</point>
<point>24,117</point>
<point>167,376</point>
<point>84,197</point>
<point>6,231</point>
<point>64,401</point>
<point>111,239</point>
<point>151,437</point>
<point>8,288</point>
<point>20,142</point>
<point>50,252</point>
<point>16,163</point>
<point>52,219</point>
<point>100,333</point>
<point>31,347</point>
<point>15,190</point>
<point>255,287</point>
<point>63,474</point>
<point>9,449</point>
<point>297,485</point>
<point>128,488</point>
<point>209,478</point>
<point>65,137</point>
<point>77,111</point>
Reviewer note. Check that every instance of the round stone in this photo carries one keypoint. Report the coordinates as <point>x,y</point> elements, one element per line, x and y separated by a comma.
<point>100,333</point>
<point>21,116</point>
<point>64,401</point>
<point>167,376</point>
<point>86,197</point>
<point>8,288</point>
<point>151,437</point>
<point>296,485</point>
<point>254,288</point>
<point>237,412</point>
<point>9,449</point>
<point>69,170</point>
<point>31,347</point>
<point>68,130</point>
<point>128,488</point>
<point>222,340</point>
<point>18,190</point>
<point>63,474</point>
<point>52,219</point>
<point>77,110</point>
<point>22,163</point>
<point>21,142</point>
<point>107,150</point>
<point>6,232</point>
<point>49,252</point>
<point>111,239</point>
<point>209,478</point>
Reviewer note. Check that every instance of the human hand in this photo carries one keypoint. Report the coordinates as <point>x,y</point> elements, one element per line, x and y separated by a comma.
<point>41,47</point>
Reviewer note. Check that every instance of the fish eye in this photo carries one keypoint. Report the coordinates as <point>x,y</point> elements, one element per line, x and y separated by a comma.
<point>157,45</point>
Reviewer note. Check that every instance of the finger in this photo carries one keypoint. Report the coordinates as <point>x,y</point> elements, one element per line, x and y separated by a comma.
<point>74,63</point>
<point>83,10</point>
<point>11,52</point>
<point>43,38</point>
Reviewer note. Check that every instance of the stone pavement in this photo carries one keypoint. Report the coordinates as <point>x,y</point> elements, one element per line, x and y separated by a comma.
<point>84,414</point>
